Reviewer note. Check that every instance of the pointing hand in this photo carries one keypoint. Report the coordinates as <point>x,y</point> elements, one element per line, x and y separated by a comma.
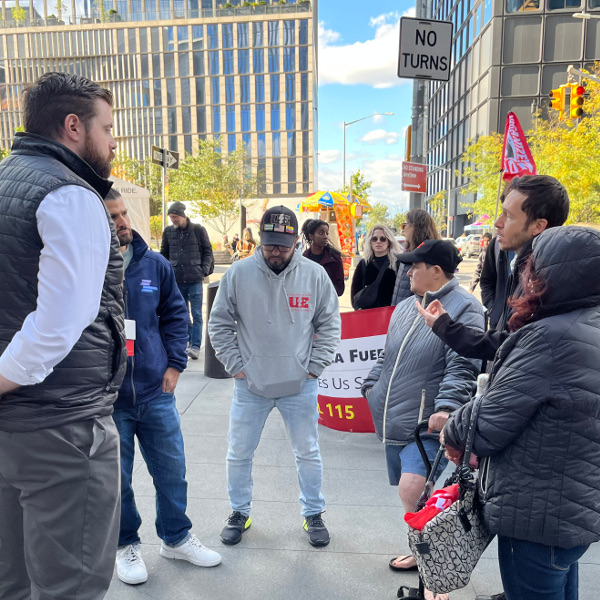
<point>432,313</point>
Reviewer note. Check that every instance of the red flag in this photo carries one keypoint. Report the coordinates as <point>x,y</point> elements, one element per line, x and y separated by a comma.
<point>341,405</point>
<point>516,155</point>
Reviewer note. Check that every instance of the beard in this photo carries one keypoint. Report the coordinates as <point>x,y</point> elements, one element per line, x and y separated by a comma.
<point>99,163</point>
<point>125,237</point>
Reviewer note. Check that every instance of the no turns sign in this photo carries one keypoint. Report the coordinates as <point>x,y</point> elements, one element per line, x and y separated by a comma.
<point>425,49</point>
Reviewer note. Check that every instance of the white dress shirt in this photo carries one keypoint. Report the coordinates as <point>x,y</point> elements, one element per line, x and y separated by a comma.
<point>74,228</point>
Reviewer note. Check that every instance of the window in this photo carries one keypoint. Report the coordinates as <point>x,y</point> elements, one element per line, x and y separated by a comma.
<point>243,38</point>
<point>303,32</point>
<point>305,170</point>
<point>186,119</point>
<point>245,113</point>
<point>276,169</point>
<point>261,144</point>
<point>291,169</point>
<point>229,90</point>
<point>227,62</point>
<point>291,143</point>
<point>170,92</point>
<point>230,117</point>
<point>304,86</point>
<point>290,87</point>
<point>513,6</point>
<point>213,36</point>
<point>275,117</point>
<point>290,116</point>
<point>260,117</point>
<point>303,58</point>
<point>231,142</point>
<point>216,119</point>
<point>289,31</point>
<point>185,91</point>
<point>304,115</point>
<point>213,58</point>
<point>562,4</point>
<point>273,33</point>
<point>259,88</point>
<point>276,144</point>
<point>201,119</point>
<point>200,91</point>
<point>227,31</point>
<point>198,62</point>
<point>167,39</point>
<point>169,58</point>
<point>261,172</point>
<point>257,35</point>
<point>244,61</point>
<point>216,93</point>
<point>245,88</point>
<point>184,64</point>
<point>258,60</point>
<point>246,143</point>
<point>305,143</point>
<point>197,37</point>
<point>487,11</point>
<point>182,38</point>
<point>289,59</point>
<point>273,60</point>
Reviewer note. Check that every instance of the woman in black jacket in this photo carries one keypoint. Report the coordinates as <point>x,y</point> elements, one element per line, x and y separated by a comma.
<point>381,250</point>
<point>316,234</point>
<point>539,422</point>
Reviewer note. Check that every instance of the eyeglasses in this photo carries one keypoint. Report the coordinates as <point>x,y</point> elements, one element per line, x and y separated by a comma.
<point>281,249</point>
<point>379,239</point>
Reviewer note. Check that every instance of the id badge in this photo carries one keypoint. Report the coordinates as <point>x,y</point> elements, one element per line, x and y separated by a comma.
<point>130,335</point>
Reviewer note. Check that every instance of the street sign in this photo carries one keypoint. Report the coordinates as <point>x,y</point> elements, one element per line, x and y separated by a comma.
<point>414,177</point>
<point>425,49</point>
<point>159,155</point>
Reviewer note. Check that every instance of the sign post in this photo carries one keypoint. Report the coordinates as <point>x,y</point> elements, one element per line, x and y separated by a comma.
<point>425,49</point>
<point>167,159</point>
<point>414,177</point>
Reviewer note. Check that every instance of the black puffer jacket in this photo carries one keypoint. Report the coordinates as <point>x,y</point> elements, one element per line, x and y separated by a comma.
<point>540,417</point>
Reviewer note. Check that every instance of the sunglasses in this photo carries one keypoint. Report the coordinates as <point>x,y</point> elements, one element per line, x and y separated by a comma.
<point>379,239</point>
<point>270,248</point>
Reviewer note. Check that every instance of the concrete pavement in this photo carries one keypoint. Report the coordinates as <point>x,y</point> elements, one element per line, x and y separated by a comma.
<point>274,561</point>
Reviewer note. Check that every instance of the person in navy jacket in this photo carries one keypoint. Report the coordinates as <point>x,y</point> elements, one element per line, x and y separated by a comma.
<point>156,317</point>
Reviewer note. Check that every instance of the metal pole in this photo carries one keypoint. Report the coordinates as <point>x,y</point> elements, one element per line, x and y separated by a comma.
<point>344,158</point>
<point>164,191</point>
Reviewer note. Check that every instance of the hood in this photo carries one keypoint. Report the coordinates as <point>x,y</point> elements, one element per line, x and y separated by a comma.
<point>568,260</point>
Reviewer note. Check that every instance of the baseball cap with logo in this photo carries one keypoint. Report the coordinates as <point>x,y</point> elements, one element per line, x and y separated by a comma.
<point>441,253</point>
<point>278,227</point>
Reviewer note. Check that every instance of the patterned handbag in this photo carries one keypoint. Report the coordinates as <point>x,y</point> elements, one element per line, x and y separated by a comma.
<point>451,544</point>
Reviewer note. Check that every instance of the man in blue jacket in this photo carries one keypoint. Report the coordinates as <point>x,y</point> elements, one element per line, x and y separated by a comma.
<point>156,326</point>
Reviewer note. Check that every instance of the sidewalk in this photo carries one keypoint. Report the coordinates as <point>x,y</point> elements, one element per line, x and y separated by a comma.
<point>274,561</point>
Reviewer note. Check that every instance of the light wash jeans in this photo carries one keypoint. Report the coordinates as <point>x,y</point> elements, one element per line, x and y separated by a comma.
<point>300,415</point>
<point>192,294</point>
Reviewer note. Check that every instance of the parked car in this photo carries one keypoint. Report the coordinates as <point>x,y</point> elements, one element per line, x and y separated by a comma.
<point>472,245</point>
<point>461,243</point>
<point>449,239</point>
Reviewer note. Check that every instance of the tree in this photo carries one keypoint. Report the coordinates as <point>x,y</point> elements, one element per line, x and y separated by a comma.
<point>438,209</point>
<point>360,186</point>
<point>18,14</point>
<point>567,150</point>
<point>143,173</point>
<point>60,7</point>
<point>398,220</point>
<point>378,216</point>
<point>214,183</point>
<point>156,229</point>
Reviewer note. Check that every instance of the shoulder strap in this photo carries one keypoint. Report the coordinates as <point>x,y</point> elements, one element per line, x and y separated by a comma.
<point>471,432</point>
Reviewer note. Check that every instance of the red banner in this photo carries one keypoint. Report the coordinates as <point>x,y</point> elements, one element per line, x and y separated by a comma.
<point>516,155</point>
<point>341,405</point>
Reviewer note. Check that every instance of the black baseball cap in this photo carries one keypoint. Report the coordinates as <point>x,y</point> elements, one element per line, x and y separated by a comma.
<point>279,227</point>
<point>442,253</point>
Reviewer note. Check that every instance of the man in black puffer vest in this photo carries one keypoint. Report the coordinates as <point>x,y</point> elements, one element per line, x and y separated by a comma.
<point>187,247</point>
<point>62,347</point>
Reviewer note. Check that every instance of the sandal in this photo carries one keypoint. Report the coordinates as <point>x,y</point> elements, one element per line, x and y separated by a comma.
<point>393,567</point>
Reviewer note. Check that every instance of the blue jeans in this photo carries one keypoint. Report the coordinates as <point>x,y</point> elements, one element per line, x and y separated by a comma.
<point>247,419</point>
<point>533,571</point>
<point>192,294</point>
<point>408,459</point>
<point>157,427</point>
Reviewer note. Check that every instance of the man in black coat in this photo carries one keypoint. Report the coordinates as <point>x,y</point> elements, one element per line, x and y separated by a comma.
<point>187,247</point>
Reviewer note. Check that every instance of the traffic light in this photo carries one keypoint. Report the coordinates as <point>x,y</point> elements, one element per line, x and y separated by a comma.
<point>577,92</point>
<point>558,100</point>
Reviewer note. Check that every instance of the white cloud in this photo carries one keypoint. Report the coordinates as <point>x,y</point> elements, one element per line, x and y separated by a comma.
<point>381,135</point>
<point>372,62</point>
<point>326,157</point>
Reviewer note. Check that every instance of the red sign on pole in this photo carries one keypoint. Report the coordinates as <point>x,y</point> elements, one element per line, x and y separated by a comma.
<point>414,177</point>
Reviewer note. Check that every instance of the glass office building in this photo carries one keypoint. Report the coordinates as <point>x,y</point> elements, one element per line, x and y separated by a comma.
<point>181,70</point>
<point>507,56</point>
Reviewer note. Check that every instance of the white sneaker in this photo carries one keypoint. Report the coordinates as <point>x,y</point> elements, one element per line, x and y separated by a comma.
<point>130,565</point>
<point>193,551</point>
<point>193,353</point>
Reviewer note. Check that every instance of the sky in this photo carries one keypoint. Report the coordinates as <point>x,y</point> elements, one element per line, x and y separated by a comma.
<point>358,61</point>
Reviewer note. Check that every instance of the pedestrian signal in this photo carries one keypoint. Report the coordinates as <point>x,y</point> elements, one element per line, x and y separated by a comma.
<point>558,100</point>
<point>577,99</point>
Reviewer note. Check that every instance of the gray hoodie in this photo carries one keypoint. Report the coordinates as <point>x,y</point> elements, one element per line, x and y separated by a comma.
<point>276,328</point>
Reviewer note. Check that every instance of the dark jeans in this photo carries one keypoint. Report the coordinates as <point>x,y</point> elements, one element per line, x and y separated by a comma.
<point>157,427</point>
<point>533,571</point>
<point>192,294</point>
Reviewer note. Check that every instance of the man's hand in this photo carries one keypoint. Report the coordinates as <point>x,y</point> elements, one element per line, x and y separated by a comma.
<point>170,379</point>
<point>438,420</point>
<point>240,375</point>
<point>311,376</point>
<point>432,313</point>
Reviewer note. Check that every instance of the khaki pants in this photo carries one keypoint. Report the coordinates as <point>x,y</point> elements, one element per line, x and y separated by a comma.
<point>59,511</point>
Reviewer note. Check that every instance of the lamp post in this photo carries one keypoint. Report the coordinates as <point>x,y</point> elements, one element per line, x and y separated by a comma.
<point>387,114</point>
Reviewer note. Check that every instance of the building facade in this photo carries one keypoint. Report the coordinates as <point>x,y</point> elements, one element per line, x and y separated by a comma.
<point>507,56</point>
<point>181,70</point>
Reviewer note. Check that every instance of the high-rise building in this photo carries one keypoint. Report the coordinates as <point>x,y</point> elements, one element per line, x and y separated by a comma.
<point>507,55</point>
<point>181,70</point>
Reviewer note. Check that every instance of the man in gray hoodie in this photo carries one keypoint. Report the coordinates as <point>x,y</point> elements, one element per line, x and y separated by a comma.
<point>275,326</point>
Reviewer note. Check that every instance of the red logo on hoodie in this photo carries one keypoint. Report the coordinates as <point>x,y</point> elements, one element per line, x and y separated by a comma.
<point>299,302</point>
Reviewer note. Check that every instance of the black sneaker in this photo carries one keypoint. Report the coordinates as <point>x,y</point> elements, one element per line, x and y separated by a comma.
<point>317,532</point>
<point>237,523</point>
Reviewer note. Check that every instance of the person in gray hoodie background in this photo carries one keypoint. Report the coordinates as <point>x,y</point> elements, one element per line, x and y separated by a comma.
<point>275,326</point>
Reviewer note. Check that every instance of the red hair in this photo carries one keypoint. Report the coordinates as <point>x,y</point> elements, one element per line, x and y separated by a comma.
<point>526,307</point>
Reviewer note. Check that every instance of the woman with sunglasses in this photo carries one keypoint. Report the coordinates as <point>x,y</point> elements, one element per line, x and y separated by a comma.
<point>418,227</point>
<point>316,235</point>
<point>377,268</point>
